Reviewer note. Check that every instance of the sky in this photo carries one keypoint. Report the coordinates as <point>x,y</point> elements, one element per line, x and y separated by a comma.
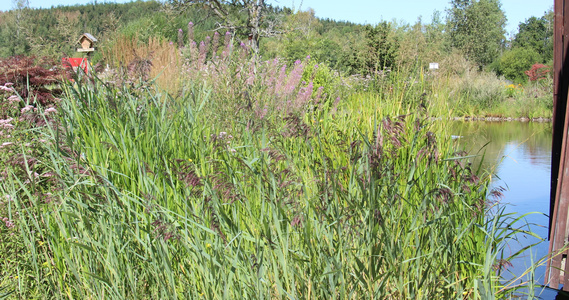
<point>365,11</point>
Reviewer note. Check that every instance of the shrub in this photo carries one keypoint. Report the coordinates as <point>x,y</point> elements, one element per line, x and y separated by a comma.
<point>513,64</point>
<point>478,91</point>
<point>323,78</point>
<point>537,72</point>
<point>33,79</point>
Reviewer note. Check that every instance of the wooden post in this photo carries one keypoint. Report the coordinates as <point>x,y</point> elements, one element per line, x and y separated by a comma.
<point>557,267</point>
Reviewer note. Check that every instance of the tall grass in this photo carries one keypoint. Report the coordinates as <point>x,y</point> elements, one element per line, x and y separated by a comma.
<point>150,197</point>
<point>461,89</point>
<point>253,180</point>
<point>156,60</point>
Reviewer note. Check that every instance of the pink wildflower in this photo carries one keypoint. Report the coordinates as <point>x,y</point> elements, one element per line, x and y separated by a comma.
<point>27,108</point>
<point>294,78</point>
<point>13,99</point>
<point>9,223</point>
<point>50,110</point>
<point>202,53</point>
<point>6,89</point>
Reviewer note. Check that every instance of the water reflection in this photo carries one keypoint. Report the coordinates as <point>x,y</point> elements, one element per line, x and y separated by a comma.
<point>498,139</point>
<point>519,154</point>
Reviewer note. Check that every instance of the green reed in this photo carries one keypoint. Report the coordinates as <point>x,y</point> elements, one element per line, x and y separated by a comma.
<point>150,198</point>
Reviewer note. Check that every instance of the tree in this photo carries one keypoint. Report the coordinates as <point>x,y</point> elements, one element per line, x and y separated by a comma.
<point>537,34</point>
<point>247,16</point>
<point>477,28</point>
<point>382,47</point>
<point>437,39</point>
<point>378,51</point>
<point>301,38</point>
<point>20,7</point>
<point>12,26</point>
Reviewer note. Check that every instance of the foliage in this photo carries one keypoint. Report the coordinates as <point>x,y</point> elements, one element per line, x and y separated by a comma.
<point>248,184</point>
<point>137,63</point>
<point>21,154</point>
<point>33,79</point>
<point>324,80</point>
<point>537,72</point>
<point>248,18</point>
<point>252,177</point>
<point>344,46</point>
<point>513,63</point>
<point>263,87</point>
<point>378,53</point>
<point>537,34</point>
<point>481,90</point>
<point>54,31</point>
<point>156,199</point>
<point>512,90</point>
<point>473,93</point>
<point>325,41</point>
<point>476,27</point>
<point>301,38</point>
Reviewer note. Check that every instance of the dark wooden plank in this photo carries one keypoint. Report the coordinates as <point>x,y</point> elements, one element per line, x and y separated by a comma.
<point>559,201</point>
<point>561,226</point>
<point>561,213</point>
<point>560,216</point>
<point>558,112</point>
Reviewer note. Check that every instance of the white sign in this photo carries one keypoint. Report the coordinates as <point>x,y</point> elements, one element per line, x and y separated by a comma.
<point>434,66</point>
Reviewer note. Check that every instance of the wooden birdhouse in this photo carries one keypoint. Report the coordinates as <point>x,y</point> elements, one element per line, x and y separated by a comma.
<point>87,42</point>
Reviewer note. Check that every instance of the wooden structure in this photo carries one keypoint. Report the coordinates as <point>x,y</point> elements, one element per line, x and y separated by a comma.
<point>87,42</point>
<point>558,267</point>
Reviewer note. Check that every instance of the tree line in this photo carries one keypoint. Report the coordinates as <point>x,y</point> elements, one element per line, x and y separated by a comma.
<point>471,29</point>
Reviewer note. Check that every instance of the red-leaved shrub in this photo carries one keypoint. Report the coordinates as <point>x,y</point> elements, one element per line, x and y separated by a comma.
<point>33,79</point>
<point>537,72</point>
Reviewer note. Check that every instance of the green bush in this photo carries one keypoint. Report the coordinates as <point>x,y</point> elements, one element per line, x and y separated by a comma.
<point>321,76</point>
<point>513,63</point>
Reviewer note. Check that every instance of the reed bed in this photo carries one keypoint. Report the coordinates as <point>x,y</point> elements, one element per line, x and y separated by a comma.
<point>142,195</point>
<point>253,180</point>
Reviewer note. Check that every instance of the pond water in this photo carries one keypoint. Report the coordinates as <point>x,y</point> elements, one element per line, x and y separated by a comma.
<point>519,154</point>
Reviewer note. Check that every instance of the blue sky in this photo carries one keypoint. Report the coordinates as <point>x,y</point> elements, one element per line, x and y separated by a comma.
<point>366,11</point>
